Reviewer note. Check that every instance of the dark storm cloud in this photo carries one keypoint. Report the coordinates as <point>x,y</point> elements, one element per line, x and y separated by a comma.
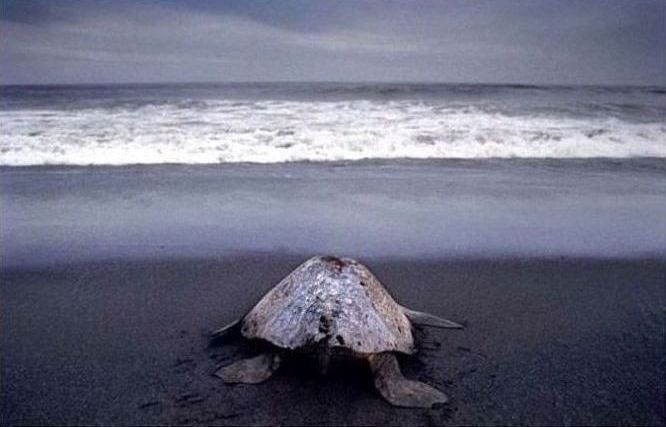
<point>596,42</point>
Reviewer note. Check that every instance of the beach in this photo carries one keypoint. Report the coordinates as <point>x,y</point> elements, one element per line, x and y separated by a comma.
<point>113,276</point>
<point>547,341</point>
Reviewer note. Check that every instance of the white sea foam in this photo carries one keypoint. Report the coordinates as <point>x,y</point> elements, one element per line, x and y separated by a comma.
<point>282,131</point>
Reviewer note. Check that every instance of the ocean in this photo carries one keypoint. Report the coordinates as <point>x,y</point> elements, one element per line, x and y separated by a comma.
<point>288,122</point>
<point>368,170</point>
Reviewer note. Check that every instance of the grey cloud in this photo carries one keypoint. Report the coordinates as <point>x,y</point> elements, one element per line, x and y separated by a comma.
<point>517,42</point>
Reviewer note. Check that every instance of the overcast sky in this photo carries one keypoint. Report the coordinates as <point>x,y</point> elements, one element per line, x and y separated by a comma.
<point>536,41</point>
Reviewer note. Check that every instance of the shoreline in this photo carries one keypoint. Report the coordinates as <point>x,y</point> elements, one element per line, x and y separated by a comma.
<point>600,163</point>
<point>378,209</point>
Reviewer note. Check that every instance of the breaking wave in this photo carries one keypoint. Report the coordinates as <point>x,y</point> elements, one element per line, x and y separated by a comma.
<point>269,131</point>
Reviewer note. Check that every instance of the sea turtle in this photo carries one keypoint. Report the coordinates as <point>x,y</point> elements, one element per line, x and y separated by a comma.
<point>333,306</point>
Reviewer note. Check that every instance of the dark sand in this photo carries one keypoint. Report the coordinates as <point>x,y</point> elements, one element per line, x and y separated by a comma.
<point>559,341</point>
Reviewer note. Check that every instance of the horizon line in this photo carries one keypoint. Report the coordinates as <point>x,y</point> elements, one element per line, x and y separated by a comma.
<point>338,82</point>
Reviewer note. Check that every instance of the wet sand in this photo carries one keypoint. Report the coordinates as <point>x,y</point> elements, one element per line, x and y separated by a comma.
<point>547,341</point>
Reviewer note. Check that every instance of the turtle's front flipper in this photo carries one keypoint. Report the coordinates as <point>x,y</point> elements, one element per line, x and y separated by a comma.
<point>398,390</point>
<point>427,319</point>
<point>226,330</point>
<point>250,371</point>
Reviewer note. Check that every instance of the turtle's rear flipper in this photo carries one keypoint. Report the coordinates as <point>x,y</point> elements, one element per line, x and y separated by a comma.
<point>250,371</point>
<point>398,390</point>
<point>427,319</point>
